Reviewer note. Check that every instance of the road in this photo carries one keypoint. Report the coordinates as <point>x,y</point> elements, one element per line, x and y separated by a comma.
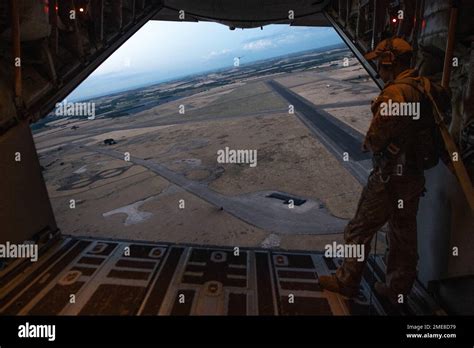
<point>254,208</point>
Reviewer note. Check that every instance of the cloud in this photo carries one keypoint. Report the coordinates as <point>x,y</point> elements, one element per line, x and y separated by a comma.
<point>258,45</point>
<point>215,54</point>
<point>274,41</point>
<point>285,37</point>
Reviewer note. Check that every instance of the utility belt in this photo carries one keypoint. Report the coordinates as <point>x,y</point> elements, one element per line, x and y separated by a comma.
<point>393,162</point>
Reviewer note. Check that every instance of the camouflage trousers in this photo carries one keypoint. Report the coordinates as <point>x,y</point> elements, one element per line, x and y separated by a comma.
<point>395,202</point>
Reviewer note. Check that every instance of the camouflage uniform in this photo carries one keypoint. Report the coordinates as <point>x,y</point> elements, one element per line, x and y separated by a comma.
<point>392,192</point>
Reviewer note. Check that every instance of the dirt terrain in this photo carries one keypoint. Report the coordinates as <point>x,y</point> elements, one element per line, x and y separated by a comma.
<point>161,180</point>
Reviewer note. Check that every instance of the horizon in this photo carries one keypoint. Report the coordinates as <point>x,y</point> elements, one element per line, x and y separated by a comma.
<point>201,73</point>
<point>137,64</point>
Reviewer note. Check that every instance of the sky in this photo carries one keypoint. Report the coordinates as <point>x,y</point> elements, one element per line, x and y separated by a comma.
<point>162,51</point>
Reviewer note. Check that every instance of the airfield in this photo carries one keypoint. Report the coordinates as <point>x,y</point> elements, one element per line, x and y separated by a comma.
<point>161,181</point>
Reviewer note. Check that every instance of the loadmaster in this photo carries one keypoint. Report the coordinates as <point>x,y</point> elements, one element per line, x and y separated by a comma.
<point>403,146</point>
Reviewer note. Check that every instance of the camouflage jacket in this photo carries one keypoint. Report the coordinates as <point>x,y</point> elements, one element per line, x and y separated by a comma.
<point>414,114</point>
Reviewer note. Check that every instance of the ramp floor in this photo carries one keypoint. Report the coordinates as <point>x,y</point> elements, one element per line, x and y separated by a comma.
<point>106,277</point>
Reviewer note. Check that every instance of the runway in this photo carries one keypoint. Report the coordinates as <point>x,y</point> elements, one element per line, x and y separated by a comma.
<point>339,138</point>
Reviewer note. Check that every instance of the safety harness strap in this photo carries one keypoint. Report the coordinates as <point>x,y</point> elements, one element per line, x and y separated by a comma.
<point>449,143</point>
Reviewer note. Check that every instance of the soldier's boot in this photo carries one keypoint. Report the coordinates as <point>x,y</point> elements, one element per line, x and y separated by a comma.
<point>384,291</point>
<point>331,283</point>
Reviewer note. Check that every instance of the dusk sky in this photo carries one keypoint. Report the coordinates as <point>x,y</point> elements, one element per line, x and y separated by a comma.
<point>162,51</point>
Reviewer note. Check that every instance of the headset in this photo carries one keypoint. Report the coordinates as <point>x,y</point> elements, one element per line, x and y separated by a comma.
<point>387,58</point>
